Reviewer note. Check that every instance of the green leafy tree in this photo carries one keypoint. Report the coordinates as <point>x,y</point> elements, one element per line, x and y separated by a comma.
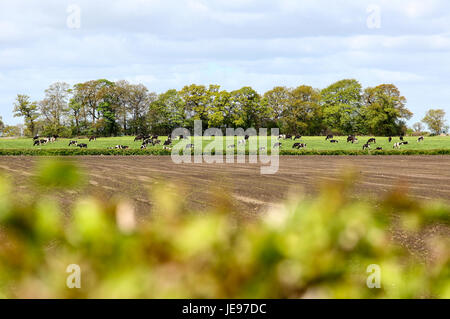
<point>54,108</point>
<point>278,100</point>
<point>108,108</point>
<point>76,111</point>
<point>385,110</point>
<point>90,94</point>
<point>435,120</point>
<point>220,110</point>
<point>197,101</point>
<point>11,131</point>
<point>249,111</point>
<point>303,114</point>
<point>138,106</point>
<point>167,112</point>
<point>342,103</point>
<point>28,110</point>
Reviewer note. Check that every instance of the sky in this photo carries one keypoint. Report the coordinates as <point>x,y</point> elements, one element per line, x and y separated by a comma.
<point>167,44</point>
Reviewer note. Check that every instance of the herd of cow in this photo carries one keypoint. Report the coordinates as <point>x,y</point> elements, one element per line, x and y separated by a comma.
<point>350,139</point>
<point>153,140</point>
<point>37,140</point>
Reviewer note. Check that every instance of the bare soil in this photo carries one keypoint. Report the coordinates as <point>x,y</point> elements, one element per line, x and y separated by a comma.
<point>426,177</point>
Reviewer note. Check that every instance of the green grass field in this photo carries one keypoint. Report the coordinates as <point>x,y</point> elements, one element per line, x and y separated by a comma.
<point>316,143</point>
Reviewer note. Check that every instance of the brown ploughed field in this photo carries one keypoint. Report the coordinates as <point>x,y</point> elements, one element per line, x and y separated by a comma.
<point>427,177</point>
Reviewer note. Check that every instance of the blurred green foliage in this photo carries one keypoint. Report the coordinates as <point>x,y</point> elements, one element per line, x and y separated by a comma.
<point>306,248</point>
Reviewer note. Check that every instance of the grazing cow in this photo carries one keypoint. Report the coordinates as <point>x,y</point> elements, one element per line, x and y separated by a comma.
<point>37,142</point>
<point>379,149</point>
<point>143,146</point>
<point>352,139</point>
<point>92,138</point>
<point>156,142</point>
<point>397,145</point>
<point>401,138</point>
<point>43,141</point>
<point>246,137</point>
<point>372,140</point>
<point>121,147</point>
<point>296,145</point>
<point>277,145</point>
<point>154,137</point>
<point>36,137</point>
<point>329,137</point>
<point>82,145</point>
<point>73,143</point>
<point>297,137</point>
<point>138,138</point>
<point>334,141</point>
<point>420,139</point>
<point>390,139</point>
<point>300,145</point>
<point>366,146</point>
<point>282,136</point>
<point>404,143</point>
<point>168,142</point>
<point>288,137</point>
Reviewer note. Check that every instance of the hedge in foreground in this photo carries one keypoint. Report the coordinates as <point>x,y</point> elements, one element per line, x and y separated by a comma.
<point>158,151</point>
<point>319,248</point>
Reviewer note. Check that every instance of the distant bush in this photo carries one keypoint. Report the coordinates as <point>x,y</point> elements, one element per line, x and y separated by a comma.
<point>316,248</point>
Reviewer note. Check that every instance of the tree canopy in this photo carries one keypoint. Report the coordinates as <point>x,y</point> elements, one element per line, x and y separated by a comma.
<point>107,108</point>
<point>435,120</point>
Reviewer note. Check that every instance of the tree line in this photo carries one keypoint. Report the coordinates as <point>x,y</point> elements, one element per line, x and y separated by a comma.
<point>105,108</point>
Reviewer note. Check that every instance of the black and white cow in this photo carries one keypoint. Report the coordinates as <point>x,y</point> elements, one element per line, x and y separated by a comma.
<point>299,145</point>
